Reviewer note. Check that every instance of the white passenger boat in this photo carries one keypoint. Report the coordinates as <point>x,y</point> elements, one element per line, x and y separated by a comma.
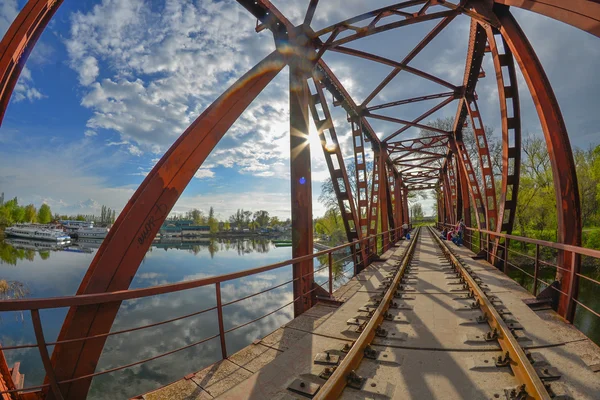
<point>91,233</point>
<point>31,231</point>
<point>36,245</point>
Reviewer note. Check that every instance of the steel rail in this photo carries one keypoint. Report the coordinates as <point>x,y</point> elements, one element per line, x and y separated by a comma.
<point>334,386</point>
<point>519,363</point>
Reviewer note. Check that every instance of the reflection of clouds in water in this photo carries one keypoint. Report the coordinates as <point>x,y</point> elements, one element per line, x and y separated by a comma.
<point>62,273</point>
<point>130,347</point>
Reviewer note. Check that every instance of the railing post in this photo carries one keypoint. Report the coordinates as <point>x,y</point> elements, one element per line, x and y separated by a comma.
<point>330,263</point>
<point>573,288</point>
<point>41,342</point>
<point>506,243</point>
<point>220,316</point>
<point>536,269</point>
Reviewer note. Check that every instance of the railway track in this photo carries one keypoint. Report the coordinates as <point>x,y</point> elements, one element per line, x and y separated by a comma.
<point>489,364</point>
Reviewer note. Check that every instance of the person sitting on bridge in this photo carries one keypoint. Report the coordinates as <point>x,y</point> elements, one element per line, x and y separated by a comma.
<point>404,229</point>
<point>450,234</point>
<point>460,232</point>
<point>444,234</point>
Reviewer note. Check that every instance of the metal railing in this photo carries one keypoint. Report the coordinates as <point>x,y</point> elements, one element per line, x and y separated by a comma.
<point>483,240</point>
<point>34,305</point>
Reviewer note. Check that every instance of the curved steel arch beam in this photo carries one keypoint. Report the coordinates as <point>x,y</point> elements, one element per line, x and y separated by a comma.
<point>121,253</point>
<point>557,140</point>
<point>582,14</point>
<point>18,42</point>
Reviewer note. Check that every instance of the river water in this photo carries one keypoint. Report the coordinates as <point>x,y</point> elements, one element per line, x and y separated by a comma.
<point>58,272</point>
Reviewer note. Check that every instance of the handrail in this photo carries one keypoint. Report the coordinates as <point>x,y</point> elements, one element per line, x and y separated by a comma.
<point>34,305</point>
<point>559,246</point>
<point>121,295</point>
<point>571,292</point>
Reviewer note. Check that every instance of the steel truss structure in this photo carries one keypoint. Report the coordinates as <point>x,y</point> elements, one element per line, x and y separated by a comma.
<point>378,201</point>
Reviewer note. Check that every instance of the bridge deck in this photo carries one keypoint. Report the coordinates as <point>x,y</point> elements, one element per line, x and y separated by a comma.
<point>433,350</point>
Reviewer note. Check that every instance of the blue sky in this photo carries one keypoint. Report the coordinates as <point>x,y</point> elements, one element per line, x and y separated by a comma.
<point>112,83</point>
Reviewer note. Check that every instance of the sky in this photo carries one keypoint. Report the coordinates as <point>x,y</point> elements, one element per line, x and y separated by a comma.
<point>111,84</point>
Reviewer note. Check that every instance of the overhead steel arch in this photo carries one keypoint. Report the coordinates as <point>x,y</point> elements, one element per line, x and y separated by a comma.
<point>401,165</point>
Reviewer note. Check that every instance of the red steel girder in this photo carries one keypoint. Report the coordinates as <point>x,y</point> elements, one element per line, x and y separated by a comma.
<point>422,44</point>
<point>559,147</point>
<point>508,94</point>
<point>411,100</point>
<point>361,32</point>
<point>583,14</point>
<point>127,243</point>
<point>301,187</point>
<point>485,163</point>
<point>375,14</point>
<point>17,43</point>
<point>405,122</point>
<point>392,63</point>
<point>419,119</point>
<point>360,163</point>
<point>453,187</point>
<point>337,168</point>
<point>374,203</point>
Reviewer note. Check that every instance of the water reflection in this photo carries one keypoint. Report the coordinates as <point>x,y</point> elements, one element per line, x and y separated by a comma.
<point>60,270</point>
<point>585,321</point>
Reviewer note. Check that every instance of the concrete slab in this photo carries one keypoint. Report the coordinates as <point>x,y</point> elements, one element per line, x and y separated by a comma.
<point>283,338</point>
<point>184,389</point>
<point>254,357</point>
<point>220,377</point>
<point>430,375</point>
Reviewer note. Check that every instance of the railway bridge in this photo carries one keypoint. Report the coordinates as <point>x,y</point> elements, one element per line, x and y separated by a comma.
<point>420,318</point>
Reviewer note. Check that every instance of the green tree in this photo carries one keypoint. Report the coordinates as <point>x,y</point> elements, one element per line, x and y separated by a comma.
<point>212,221</point>
<point>226,226</point>
<point>262,218</point>
<point>44,214</point>
<point>30,213</point>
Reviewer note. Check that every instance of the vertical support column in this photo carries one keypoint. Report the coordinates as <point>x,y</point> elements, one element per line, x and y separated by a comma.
<point>460,199</point>
<point>466,167</point>
<point>337,170</point>
<point>448,197</point>
<point>300,174</point>
<point>568,206</point>
<point>485,162</point>
<point>453,188</point>
<point>405,210</point>
<point>508,94</point>
<point>373,219</point>
<point>383,200</point>
<point>398,205</point>
<point>360,164</point>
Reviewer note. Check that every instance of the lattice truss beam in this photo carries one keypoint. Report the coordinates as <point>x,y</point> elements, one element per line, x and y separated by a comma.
<point>401,161</point>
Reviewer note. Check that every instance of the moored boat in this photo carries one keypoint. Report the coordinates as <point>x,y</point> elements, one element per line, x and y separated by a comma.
<point>91,233</point>
<point>37,232</point>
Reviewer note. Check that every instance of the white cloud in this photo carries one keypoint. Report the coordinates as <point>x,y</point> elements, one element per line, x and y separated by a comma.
<point>8,12</point>
<point>24,88</point>
<point>134,150</point>
<point>90,133</point>
<point>151,73</point>
<point>204,173</point>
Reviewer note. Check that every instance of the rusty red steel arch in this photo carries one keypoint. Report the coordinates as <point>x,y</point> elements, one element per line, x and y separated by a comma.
<point>117,260</point>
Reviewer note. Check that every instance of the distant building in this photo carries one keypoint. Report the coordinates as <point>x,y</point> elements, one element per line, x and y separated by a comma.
<point>183,228</point>
<point>194,230</point>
